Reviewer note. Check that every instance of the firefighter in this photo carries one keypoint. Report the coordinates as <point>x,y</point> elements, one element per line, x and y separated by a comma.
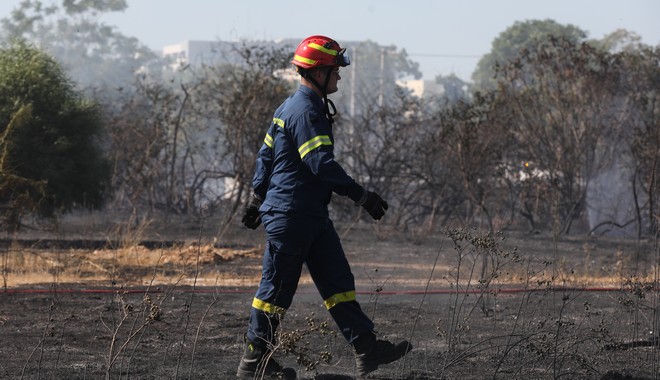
<point>295,176</point>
